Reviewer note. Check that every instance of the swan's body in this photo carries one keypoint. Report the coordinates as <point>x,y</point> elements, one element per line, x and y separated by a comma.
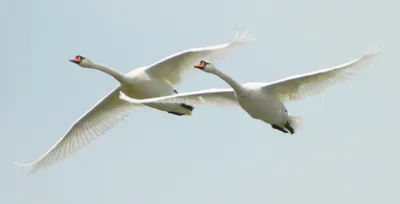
<point>158,79</point>
<point>265,101</point>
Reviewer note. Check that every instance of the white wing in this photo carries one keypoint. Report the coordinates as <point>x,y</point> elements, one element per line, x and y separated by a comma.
<point>300,86</point>
<point>104,115</point>
<point>208,96</point>
<point>173,68</point>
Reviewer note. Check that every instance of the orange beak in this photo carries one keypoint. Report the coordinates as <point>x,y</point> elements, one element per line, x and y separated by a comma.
<point>77,60</point>
<point>202,65</point>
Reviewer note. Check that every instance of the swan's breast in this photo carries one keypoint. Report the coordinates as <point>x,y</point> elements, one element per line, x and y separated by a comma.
<point>262,106</point>
<point>147,87</point>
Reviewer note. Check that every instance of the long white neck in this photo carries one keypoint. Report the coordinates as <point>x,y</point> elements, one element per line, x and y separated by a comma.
<point>114,73</point>
<point>235,86</point>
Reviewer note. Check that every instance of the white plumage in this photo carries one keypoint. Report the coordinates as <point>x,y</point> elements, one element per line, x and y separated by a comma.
<point>158,79</point>
<point>265,101</point>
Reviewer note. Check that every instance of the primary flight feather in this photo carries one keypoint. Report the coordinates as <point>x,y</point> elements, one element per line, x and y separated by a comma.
<point>265,101</point>
<point>158,79</point>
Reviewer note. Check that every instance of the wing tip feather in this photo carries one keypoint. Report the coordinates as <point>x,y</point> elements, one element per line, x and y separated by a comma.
<point>29,167</point>
<point>244,37</point>
<point>374,50</point>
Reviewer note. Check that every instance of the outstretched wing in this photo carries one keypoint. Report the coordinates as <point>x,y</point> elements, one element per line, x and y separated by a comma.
<point>104,115</point>
<point>301,86</point>
<point>209,96</point>
<point>173,68</point>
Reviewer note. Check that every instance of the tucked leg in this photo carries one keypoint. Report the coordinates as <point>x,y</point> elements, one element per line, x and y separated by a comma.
<point>289,127</point>
<point>176,113</point>
<point>276,127</point>
<point>189,107</point>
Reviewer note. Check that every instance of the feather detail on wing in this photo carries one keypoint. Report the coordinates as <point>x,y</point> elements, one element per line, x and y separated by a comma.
<point>209,96</point>
<point>104,115</point>
<point>173,68</point>
<point>301,86</point>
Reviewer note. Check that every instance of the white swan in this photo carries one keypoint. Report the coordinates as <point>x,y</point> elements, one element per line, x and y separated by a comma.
<point>265,101</point>
<point>158,79</point>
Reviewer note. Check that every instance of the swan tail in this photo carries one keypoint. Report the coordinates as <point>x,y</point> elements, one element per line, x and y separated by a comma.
<point>295,122</point>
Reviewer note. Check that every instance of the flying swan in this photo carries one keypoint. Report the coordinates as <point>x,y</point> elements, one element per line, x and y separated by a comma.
<point>158,79</point>
<point>265,101</point>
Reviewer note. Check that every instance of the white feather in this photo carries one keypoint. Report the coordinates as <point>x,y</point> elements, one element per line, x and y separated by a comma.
<point>158,79</point>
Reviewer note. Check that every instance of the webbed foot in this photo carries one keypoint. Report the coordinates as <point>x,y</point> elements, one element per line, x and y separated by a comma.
<point>289,127</point>
<point>276,127</point>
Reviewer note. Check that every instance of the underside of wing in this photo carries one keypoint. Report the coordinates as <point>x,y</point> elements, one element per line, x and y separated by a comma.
<point>104,115</point>
<point>301,86</point>
<point>209,96</point>
<point>173,68</point>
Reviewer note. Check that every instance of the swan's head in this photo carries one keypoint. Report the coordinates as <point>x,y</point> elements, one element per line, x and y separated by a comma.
<point>82,61</point>
<point>205,66</point>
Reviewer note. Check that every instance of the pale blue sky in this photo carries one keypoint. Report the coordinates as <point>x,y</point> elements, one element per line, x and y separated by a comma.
<point>346,151</point>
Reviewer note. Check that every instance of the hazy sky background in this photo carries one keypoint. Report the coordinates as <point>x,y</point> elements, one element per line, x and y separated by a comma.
<point>346,151</point>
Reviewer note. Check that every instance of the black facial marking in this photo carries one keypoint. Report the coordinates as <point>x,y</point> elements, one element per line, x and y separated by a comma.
<point>206,63</point>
